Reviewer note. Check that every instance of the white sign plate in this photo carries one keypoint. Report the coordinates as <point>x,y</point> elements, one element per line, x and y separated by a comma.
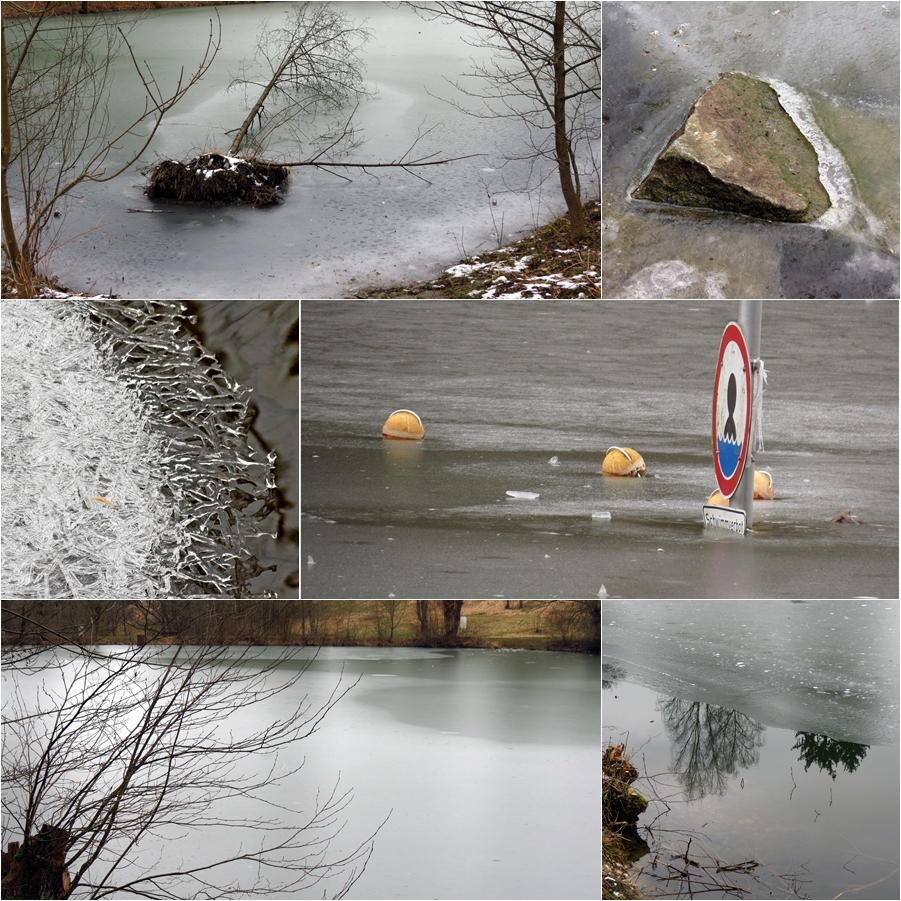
<point>725,517</point>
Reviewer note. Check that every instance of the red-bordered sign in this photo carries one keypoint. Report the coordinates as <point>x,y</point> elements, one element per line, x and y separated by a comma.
<point>731,410</point>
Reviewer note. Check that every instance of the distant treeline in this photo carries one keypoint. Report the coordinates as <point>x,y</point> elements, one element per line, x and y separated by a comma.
<point>13,10</point>
<point>573,625</point>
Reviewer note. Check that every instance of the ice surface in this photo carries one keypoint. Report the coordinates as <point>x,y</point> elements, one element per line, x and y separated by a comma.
<point>827,667</point>
<point>126,470</point>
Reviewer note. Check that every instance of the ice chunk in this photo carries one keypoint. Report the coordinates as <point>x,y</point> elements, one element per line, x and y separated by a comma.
<point>525,495</point>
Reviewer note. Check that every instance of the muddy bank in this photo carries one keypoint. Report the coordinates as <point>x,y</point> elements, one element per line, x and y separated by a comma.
<point>622,806</point>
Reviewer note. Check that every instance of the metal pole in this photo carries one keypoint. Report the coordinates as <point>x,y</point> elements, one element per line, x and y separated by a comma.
<point>750,316</point>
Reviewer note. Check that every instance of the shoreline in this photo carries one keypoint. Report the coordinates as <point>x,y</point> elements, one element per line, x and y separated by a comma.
<point>483,625</point>
<point>23,10</point>
<point>543,264</point>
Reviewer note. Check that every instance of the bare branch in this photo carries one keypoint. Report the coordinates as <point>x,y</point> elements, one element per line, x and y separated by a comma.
<point>112,748</point>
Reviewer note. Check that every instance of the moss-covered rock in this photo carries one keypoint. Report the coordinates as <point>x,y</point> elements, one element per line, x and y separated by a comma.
<point>739,151</point>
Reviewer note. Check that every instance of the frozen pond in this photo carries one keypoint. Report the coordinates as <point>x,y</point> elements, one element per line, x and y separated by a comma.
<point>331,236</point>
<point>842,57</point>
<point>487,761</point>
<point>778,725</point>
<point>503,387</point>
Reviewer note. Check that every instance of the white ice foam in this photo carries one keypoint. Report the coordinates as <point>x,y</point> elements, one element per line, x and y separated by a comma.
<point>847,208</point>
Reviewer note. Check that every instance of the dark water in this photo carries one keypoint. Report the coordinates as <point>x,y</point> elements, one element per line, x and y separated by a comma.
<point>256,342</point>
<point>504,387</point>
<point>772,732</point>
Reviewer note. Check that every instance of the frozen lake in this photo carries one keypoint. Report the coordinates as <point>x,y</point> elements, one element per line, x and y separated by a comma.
<point>331,236</point>
<point>487,762</point>
<point>842,59</point>
<point>503,387</point>
<point>777,726</point>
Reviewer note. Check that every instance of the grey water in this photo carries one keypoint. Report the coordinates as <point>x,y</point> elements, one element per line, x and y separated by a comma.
<point>659,57</point>
<point>772,732</point>
<point>503,388</point>
<point>332,236</point>
<point>486,761</point>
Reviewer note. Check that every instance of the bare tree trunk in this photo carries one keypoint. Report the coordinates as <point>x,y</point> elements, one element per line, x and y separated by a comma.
<point>24,286</point>
<point>242,131</point>
<point>452,611</point>
<point>422,612</point>
<point>577,224</point>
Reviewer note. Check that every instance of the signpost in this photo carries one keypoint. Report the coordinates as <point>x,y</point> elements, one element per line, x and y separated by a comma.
<point>732,407</point>
<point>731,410</point>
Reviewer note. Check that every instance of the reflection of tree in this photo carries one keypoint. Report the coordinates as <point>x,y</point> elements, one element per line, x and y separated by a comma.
<point>826,752</point>
<point>611,674</point>
<point>709,744</point>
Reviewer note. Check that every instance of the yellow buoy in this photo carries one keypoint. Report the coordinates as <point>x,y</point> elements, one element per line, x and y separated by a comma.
<point>763,490</point>
<point>403,424</point>
<point>763,485</point>
<point>623,461</point>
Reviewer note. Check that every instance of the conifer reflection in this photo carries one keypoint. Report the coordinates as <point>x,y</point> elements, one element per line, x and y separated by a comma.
<point>828,753</point>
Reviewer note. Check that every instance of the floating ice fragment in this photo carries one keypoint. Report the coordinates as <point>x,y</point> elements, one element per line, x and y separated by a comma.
<point>310,560</point>
<point>603,592</point>
<point>525,495</point>
<point>601,516</point>
<point>554,461</point>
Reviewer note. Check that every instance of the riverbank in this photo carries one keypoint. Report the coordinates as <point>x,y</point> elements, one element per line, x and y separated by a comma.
<point>492,625</point>
<point>545,264</point>
<point>615,882</point>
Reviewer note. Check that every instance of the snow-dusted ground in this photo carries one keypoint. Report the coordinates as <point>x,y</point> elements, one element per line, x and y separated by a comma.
<point>511,280</point>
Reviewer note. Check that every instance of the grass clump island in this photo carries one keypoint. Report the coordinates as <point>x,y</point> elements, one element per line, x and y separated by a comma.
<point>214,179</point>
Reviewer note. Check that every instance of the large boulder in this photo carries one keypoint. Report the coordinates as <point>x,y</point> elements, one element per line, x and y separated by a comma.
<point>739,151</point>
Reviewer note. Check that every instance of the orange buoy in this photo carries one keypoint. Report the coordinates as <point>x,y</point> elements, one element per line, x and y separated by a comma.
<point>763,490</point>
<point>763,485</point>
<point>403,424</point>
<point>623,461</point>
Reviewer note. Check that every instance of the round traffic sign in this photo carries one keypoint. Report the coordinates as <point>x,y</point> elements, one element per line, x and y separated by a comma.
<point>731,410</point>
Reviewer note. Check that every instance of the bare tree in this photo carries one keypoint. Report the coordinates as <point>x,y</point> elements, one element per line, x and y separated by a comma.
<point>309,65</point>
<point>452,610</point>
<point>387,614</point>
<point>57,130</point>
<point>577,623</point>
<point>105,751</point>
<point>545,71</point>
